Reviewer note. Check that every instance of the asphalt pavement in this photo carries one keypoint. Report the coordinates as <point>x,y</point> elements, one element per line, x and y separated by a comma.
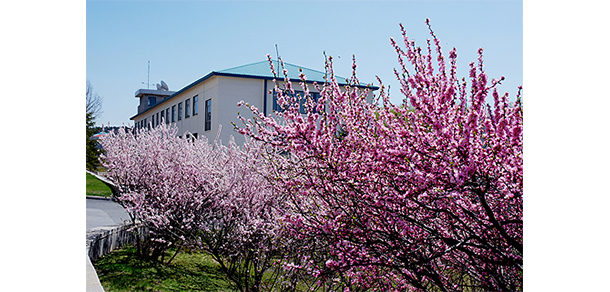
<point>101,212</point>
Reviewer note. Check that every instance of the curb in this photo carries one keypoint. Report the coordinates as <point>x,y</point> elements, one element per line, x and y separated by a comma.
<point>93,282</point>
<point>100,198</point>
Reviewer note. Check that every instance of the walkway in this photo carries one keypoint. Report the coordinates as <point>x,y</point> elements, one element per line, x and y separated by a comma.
<point>101,213</point>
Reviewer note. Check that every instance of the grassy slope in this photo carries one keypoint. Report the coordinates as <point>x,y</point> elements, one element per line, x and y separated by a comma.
<point>121,270</point>
<point>96,187</point>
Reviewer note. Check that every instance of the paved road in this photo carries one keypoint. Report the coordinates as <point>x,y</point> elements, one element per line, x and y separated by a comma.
<point>102,213</point>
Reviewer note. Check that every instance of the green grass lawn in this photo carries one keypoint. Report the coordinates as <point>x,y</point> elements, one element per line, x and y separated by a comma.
<point>121,270</point>
<point>96,187</point>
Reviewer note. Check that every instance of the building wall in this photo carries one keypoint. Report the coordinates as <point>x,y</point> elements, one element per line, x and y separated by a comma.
<point>194,123</point>
<point>232,90</point>
<point>224,93</point>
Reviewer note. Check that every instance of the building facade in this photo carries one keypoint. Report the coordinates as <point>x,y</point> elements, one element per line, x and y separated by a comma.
<point>210,102</point>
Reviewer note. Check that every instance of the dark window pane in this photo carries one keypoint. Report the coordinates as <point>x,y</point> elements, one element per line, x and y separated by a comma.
<point>187,108</point>
<point>152,100</point>
<point>195,105</point>
<point>179,111</point>
<point>208,114</point>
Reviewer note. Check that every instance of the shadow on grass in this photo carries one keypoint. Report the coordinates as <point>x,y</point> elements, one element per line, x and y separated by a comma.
<point>122,270</point>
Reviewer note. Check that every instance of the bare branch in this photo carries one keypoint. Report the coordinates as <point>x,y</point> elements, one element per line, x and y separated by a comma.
<point>94,102</point>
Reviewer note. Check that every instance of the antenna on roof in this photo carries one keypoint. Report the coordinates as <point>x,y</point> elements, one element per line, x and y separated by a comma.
<point>277,56</point>
<point>148,80</point>
<point>163,86</point>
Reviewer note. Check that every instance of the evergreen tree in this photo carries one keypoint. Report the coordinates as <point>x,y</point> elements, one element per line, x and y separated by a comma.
<point>92,151</point>
<point>94,106</point>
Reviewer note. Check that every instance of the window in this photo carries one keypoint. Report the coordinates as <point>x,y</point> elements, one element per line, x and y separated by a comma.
<point>179,111</point>
<point>300,95</point>
<point>152,100</point>
<point>208,114</point>
<point>187,108</point>
<point>195,105</point>
<point>162,115</point>
<point>173,113</point>
<point>276,106</point>
<point>191,136</point>
<point>167,116</point>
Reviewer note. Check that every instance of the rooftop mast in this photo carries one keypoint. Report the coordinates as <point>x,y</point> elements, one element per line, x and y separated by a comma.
<point>277,55</point>
<point>148,78</point>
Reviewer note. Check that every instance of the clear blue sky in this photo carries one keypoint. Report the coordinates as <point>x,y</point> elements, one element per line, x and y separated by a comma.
<point>46,45</point>
<point>185,40</point>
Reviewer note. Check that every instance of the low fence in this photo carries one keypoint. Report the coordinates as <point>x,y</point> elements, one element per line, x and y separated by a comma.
<point>103,240</point>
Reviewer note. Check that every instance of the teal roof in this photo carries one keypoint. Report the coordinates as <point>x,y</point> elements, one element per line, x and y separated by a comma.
<point>262,70</point>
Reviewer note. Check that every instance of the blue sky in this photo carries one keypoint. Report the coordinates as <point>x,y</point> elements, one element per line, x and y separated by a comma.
<point>48,54</point>
<point>184,40</point>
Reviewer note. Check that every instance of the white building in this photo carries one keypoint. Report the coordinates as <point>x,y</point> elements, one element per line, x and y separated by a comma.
<point>203,105</point>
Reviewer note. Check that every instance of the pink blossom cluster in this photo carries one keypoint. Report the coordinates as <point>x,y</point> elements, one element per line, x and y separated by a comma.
<point>423,195</point>
<point>199,194</point>
<point>164,182</point>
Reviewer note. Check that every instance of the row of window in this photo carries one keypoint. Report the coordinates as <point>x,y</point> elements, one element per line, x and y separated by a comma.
<point>301,99</point>
<point>165,114</point>
<point>177,110</point>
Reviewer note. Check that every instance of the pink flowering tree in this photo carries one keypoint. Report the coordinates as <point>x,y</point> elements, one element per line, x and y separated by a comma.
<point>188,192</point>
<point>164,182</point>
<point>243,233</point>
<point>419,196</point>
